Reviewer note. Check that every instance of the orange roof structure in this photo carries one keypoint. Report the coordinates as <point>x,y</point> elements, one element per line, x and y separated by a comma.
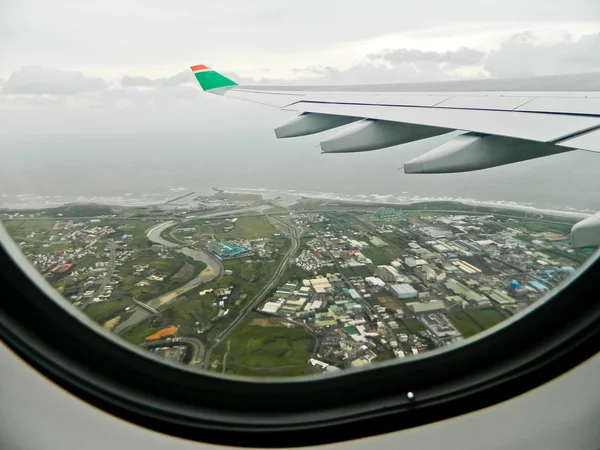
<point>165,332</point>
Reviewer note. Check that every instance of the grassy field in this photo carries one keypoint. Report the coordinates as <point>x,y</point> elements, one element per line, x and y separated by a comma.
<point>21,228</point>
<point>136,334</point>
<point>267,351</point>
<point>486,318</point>
<point>244,228</point>
<point>74,210</point>
<point>193,308</point>
<point>382,255</point>
<point>137,229</point>
<point>413,325</point>
<point>251,227</point>
<point>464,323</point>
<point>161,267</point>
<point>358,271</point>
<point>103,311</point>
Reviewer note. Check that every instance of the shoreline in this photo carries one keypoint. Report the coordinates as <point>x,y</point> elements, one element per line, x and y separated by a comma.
<point>338,198</point>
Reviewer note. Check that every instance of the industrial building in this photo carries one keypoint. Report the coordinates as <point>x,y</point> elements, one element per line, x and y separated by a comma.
<point>501,297</point>
<point>403,291</point>
<point>225,250</point>
<point>320,285</point>
<point>466,293</point>
<point>387,273</point>
<point>418,307</point>
<point>374,281</point>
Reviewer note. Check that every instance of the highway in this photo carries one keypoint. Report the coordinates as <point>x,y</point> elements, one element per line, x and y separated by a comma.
<point>111,268</point>
<point>295,240</point>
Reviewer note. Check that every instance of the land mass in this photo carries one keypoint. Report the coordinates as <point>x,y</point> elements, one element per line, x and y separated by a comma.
<point>245,286</point>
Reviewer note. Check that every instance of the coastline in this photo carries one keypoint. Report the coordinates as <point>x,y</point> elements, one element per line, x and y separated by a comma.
<point>293,198</point>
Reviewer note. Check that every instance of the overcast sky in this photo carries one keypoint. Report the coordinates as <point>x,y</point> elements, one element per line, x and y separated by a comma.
<point>109,81</point>
<point>116,51</point>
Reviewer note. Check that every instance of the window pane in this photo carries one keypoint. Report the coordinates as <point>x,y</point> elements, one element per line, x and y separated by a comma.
<point>175,219</point>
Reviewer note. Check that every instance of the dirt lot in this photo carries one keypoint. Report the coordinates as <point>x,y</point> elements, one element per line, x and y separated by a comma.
<point>389,302</point>
<point>270,322</point>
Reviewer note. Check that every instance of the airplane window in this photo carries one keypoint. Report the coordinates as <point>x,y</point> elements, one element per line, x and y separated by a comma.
<point>174,218</point>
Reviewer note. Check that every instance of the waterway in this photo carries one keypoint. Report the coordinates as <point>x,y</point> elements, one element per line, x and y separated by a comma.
<point>213,266</point>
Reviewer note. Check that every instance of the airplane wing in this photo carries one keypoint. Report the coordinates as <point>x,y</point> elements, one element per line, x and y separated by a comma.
<point>501,121</point>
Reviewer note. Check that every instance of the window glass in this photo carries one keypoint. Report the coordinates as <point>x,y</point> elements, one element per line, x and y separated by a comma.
<point>177,220</point>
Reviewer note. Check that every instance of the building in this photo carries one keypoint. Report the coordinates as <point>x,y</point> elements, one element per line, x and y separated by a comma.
<point>436,232</point>
<point>501,297</point>
<point>287,289</point>
<point>320,285</point>
<point>419,307</point>
<point>374,281</point>
<point>466,293</point>
<point>403,291</point>
<point>353,294</point>
<point>387,273</point>
<point>426,273</point>
<point>271,307</point>
<point>225,250</point>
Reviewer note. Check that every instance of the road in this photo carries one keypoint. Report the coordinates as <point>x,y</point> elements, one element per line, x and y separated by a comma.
<point>197,347</point>
<point>111,268</point>
<point>295,239</point>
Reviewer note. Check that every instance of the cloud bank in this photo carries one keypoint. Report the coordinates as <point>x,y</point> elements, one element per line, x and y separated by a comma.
<point>520,55</point>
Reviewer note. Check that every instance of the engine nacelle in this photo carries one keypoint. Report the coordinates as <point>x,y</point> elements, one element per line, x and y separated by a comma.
<point>375,134</point>
<point>472,151</point>
<point>586,233</point>
<point>309,123</point>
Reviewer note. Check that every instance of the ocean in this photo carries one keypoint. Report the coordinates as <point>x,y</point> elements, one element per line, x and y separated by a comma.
<point>117,157</point>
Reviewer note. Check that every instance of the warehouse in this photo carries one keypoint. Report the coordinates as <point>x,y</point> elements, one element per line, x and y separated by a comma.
<point>418,307</point>
<point>403,291</point>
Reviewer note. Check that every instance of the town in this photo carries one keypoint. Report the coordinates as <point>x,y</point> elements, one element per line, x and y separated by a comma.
<point>257,289</point>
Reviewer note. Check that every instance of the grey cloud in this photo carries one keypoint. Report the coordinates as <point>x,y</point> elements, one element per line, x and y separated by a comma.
<point>182,77</point>
<point>260,28</point>
<point>141,81</point>
<point>463,56</point>
<point>38,80</point>
<point>521,55</point>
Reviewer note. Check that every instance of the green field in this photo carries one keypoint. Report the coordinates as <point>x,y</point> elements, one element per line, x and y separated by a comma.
<point>103,311</point>
<point>486,318</point>
<point>193,308</point>
<point>382,255</point>
<point>137,229</point>
<point>267,351</point>
<point>413,325</point>
<point>358,271</point>
<point>136,334</point>
<point>74,210</point>
<point>166,268</point>
<point>464,323</point>
<point>244,228</point>
<point>21,228</point>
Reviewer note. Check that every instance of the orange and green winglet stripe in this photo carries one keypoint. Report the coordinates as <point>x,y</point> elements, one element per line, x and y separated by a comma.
<point>209,79</point>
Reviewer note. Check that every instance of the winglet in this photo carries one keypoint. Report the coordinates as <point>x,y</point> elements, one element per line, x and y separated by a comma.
<point>209,79</point>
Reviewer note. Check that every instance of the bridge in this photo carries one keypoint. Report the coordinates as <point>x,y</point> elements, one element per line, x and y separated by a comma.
<point>145,306</point>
